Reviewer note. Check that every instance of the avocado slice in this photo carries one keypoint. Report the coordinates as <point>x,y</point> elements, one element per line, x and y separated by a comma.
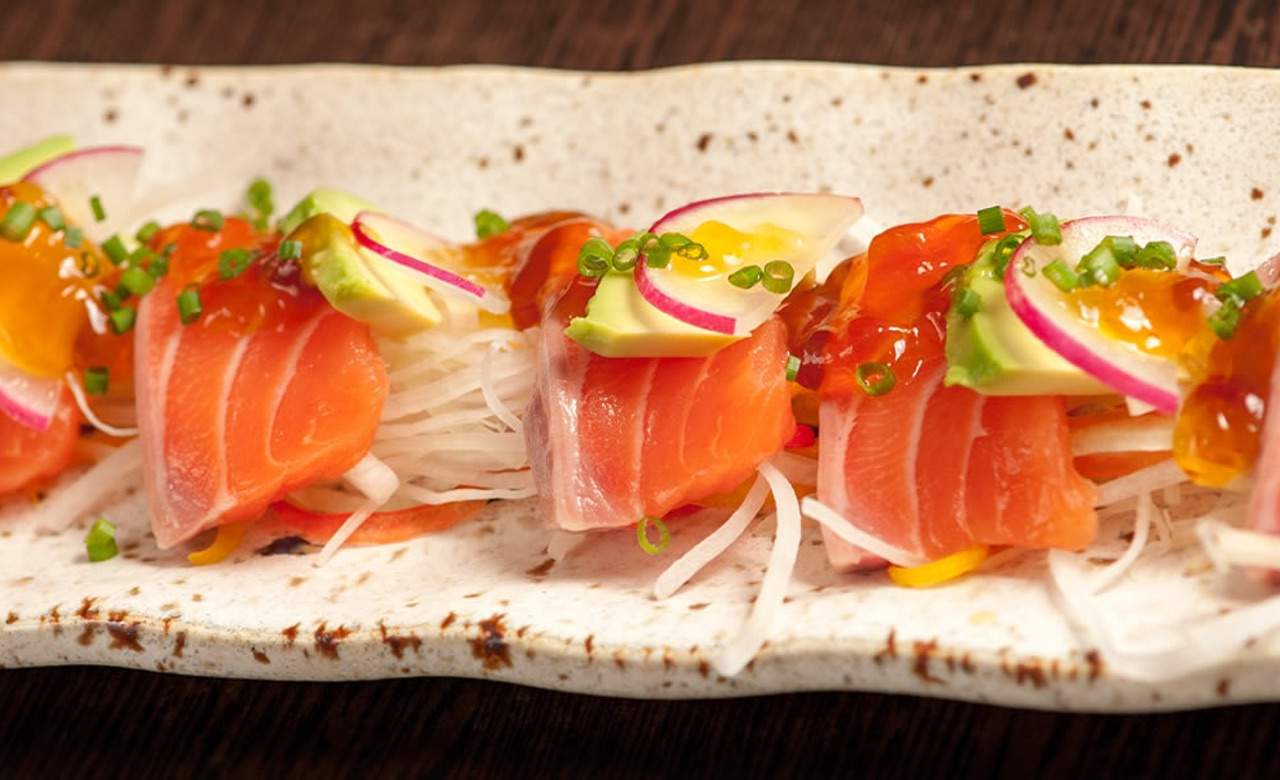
<point>621,323</point>
<point>360,285</point>
<point>992,352</point>
<point>18,164</point>
<point>325,200</point>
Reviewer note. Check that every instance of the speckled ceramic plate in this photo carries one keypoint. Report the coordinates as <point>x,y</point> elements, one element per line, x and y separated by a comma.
<point>1195,146</point>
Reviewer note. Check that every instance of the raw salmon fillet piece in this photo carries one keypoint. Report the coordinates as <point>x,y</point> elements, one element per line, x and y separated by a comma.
<point>614,439</point>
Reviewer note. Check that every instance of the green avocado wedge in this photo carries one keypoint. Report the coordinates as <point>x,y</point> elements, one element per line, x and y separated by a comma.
<point>18,164</point>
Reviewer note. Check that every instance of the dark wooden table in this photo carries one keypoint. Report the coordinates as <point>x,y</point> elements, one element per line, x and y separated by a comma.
<point>92,721</point>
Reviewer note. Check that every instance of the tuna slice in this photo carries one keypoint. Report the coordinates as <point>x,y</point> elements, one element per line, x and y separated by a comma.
<point>614,439</point>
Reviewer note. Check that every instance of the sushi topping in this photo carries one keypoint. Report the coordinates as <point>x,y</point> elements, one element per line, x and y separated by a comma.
<point>489,224</point>
<point>100,541</point>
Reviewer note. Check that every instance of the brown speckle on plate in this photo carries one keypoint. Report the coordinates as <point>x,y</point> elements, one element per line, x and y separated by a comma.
<point>291,634</point>
<point>923,651</point>
<point>1026,80</point>
<point>1146,105</point>
<point>890,649</point>
<point>542,569</point>
<point>1096,666</point>
<point>703,142</point>
<point>261,657</point>
<point>11,618</point>
<point>1224,687</point>
<point>448,621</point>
<point>489,647</point>
<point>517,153</point>
<point>248,100</point>
<point>397,642</point>
<point>927,181</point>
<point>124,637</point>
<point>179,644</point>
<point>326,641</point>
<point>1255,194</point>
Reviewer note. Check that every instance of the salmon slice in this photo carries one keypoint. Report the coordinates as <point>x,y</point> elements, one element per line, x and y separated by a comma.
<point>269,391</point>
<point>614,439</point>
<point>28,456</point>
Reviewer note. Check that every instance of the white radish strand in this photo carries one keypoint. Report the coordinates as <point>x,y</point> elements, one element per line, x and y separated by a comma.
<point>1141,530</point>
<point>378,483</point>
<point>109,476</point>
<point>490,393</point>
<point>713,545</point>
<point>1228,546</point>
<point>836,523</point>
<point>1149,433</point>
<point>82,401</point>
<point>1144,480</point>
<point>767,610</point>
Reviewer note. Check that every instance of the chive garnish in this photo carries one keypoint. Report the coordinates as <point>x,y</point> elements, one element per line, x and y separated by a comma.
<point>1045,228</point>
<point>1099,266</point>
<point>1220,260</point>
<point>233,262</point>
<point>260,200</point>
<point>746,277</point>
<point>991,220</point>
<point>147,232</point>
<point>793,367</point>
<point>1245,288</point>
<point>95,204</point>
<point>1062,276</point>
<point>208,219</point>
<point>17,221</point>
<point>778,276</point>
<point>122,319</point>
<point>1226,319</point>
<point>626,255</point>
<point>189,307</point>
<point>158,267</point>
<point>875,378</point>
<point>115,250</point>
<point>73,238</point>
<point>1123,248</point>
<point>52,216</point>
<point>96,380</point>
<point>110,300</point>
<point>594,257</point>
<point>1157,255</point>
<point>137,281</point>
<point>642,534</point>
<point>490,223</point>
<point>100,542</point>
<point>290,250</point>
<point>967,302</point>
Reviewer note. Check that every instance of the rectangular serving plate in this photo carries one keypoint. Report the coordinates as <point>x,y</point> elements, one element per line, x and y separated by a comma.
<point>1193,146</point>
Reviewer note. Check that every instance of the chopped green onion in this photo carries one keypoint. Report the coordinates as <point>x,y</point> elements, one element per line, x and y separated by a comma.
<point>489,224</point>
<point>52,216</point>
<point>96,380</point>
<point>778,276</point>
<point>1219,260</point>
<point>208,219</point>
<point>140,256</point>
<point>259,197</point>
<point>967,302</point>
<point>693,251</point>
<point>100,542</point>
<point>594,257</point>
<point>657,256</point>
<point>17,221</point>
<point>642,534</point>
<point>1062,276</point>
<point>290,250</point>
<point>158,267</point>
<point>233,262</point>
<point>1123,248</point>
<point>991,220</point>
<point>1226,319</point>
<point>147,232</point>
<point>673,240</point>
<point>189,308</point>
<point>746,277</point>
<point>137,281</point>
<point>122,319</point>
<point>875,378</point>
<point>115,250</point>
<point>1245,288</point>
<point>1100,266</point>
<point>793,367</point>
<point>110,300</point>
<point>73,238</point>
<point>955,275</point>
<point>1158,255</point>
<point>626,255</point>
<point>95,204</point>
<point>168,250</point>
<point>1004,250</point>
<point>1045,228</point>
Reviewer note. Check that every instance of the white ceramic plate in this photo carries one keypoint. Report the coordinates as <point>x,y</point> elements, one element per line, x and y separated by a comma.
<point>1193,146</point>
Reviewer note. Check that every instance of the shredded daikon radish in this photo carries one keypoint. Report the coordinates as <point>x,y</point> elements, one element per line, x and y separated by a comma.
<point>798,469</point>
<point>834,522</point>
<point>1228,546</point>
<point>1141,530</point>
<point>1151,433</point>
<point>436,497</point>
<point>1144,480</point>
<point>563,543</point>
<point>1137,408</point>
<point>491,398</point>
<point>1164,652</point>
<point>713,545</point>
<point>379,483</point>
<point>109,476</point>
<point>767,610</point>
<point>77,392</point>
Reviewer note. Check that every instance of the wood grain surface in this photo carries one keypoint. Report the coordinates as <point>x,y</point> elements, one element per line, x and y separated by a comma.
<point>89,721</point>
